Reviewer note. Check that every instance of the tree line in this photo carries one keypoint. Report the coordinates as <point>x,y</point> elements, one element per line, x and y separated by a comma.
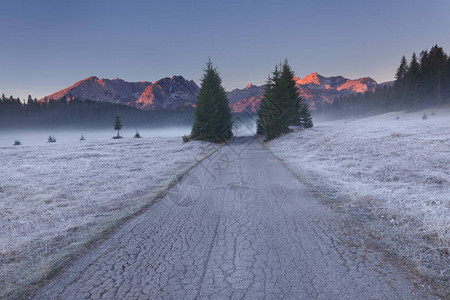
<point>15,113</point>
<point>422,82</point>
<point>75,113</point>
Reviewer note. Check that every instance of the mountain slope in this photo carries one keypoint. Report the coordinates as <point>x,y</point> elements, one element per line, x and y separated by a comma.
<point>175,93</point>
<point>106,90</point>
<point>165,94</point>
<point>315,88</point>
<point>168,94</point>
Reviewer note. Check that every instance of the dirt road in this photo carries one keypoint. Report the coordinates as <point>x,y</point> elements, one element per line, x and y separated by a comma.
<point>239,225</point>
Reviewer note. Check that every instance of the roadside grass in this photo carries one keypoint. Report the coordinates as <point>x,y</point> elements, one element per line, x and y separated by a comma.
<point>390,174</point>
<point>62,200</point>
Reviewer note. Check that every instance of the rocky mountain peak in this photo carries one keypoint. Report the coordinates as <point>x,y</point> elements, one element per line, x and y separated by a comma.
<point>313,78</point>
<point>178,77</point>
<point>176,92</point>
<point>297,80</point>
<point>106,90</point>
<point>315,88</point>
<point>170,93</point>
<point>91,78</point>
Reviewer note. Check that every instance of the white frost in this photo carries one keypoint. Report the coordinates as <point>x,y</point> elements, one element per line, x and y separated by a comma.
<point>396,164</point>
<point>56,196</point>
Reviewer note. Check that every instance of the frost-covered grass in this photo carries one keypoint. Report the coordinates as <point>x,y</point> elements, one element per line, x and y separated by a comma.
<point>55,198</point>
<point>395,164</point>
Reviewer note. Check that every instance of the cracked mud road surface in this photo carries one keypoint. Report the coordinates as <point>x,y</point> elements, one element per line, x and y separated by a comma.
<point>246,229</point>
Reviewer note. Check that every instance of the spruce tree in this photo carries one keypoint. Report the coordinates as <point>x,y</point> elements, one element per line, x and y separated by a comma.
<point>425,77</point>
<point>281,105</point>
<point>212,120</point>
<point>446,83</point>
<point>305,116</point>
<point>117,126</point>
<point>269,112</point>
<point>290,99</point>
<point>423,82</point>
<point>402,69</point>
<point>411,96</point>
<point>438,61</point>
<point>400,75</point>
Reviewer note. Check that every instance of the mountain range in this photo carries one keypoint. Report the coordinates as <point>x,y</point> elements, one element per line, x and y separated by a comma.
<point>166,94</point>
<point>176,93</point>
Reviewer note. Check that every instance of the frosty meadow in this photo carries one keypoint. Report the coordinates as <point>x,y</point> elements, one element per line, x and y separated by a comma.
<point>224,150</point>
<point>46,218</point>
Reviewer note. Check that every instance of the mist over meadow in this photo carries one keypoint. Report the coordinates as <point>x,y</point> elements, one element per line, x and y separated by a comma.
<point>29,136</point>
<point>34,137</point>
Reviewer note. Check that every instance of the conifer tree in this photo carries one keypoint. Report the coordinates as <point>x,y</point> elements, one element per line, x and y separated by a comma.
<point>438,61</point>
<point>402,69</point>
<point>446,83</point>
<point>269,112</point>
<point>425,77</point>
<point>290,99</point>
<point>281,105</point>
<point>212,120</point>
<point>411,93</point>
<point>117,126</point>
<point>305,116</point>
<point>400,75</point>
<point>423,82</point>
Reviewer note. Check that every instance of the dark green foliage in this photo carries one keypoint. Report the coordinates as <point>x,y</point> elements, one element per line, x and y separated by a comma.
<point>291,103</point>
<point>438,65</point>
<point>281,105</point>
<point>422,83</point>
<point>117,126</point>
<point>117,123</point>
<point>402,69</point>
<point>269,121</point>
<point>17,143</point>
<point>186,138</point>
<point>51,139</point>
<point>137,135</point>
<point>212,120</point>
<point>411,89</point>
<point>78,114</point>
<point>446,83</point>
<point>305,116</point>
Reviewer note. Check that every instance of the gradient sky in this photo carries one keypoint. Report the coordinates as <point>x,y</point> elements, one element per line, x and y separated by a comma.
<point>46,45</point>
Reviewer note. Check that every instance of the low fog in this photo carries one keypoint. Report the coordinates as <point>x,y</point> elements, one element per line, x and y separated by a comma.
<point>30,137</point>
<point>34,137</point>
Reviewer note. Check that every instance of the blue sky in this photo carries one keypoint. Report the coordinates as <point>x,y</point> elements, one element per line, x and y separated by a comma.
<point>48,45</point>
